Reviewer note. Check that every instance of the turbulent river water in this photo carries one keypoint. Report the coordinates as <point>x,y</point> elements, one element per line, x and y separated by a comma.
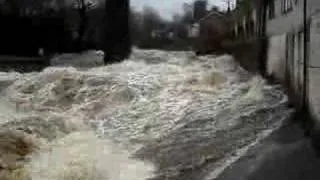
<point>158,115</point>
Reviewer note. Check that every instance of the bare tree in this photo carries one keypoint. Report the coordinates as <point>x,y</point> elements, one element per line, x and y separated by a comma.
<point>117,40</point>
<point>82,7</point>
<point>229,3</point>
<point>136,22</point>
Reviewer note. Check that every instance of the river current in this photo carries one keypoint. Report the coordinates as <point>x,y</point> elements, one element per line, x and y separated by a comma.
<point>157,115</point>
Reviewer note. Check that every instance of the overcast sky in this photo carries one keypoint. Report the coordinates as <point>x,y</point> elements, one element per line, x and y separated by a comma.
<point>168,7</point>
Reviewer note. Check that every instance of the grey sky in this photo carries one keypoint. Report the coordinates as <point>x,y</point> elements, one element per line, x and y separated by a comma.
<point>167,7</point>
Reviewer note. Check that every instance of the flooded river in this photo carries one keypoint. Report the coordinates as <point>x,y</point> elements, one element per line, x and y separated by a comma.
<point>158,115</point>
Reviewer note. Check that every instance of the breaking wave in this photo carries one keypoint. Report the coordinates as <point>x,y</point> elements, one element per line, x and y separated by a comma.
<point>158,115</point>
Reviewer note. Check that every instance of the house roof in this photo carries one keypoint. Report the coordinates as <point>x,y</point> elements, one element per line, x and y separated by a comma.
<point>214,13</point>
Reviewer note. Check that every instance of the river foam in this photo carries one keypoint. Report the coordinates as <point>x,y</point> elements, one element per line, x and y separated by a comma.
<point>157,115</point>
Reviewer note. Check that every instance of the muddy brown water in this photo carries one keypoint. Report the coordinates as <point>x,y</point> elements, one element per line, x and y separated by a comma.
<point>157,115</point>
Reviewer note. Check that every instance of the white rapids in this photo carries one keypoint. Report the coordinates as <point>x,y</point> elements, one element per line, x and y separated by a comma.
<point>157,115</point>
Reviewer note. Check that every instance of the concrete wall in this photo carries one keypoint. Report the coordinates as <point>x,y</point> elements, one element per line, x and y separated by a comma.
<point>295,66</point>
<point>285,45</point>
<point>314,69</point>
<point>276,57</point>
<point>285,60</point>
<point>285,63</point>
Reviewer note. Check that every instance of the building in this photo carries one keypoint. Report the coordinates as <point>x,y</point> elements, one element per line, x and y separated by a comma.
<point>211,31</point>
<point>293,31</point>
<point>199,9</point>
<point>285,30</point>
<point>193,30</point>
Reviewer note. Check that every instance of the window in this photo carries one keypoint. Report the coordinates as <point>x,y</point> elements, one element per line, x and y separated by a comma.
<point>287,5</point>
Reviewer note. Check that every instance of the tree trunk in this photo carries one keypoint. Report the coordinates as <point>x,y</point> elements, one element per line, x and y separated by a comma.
<point>117,43</point>
<point>83,24</point>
